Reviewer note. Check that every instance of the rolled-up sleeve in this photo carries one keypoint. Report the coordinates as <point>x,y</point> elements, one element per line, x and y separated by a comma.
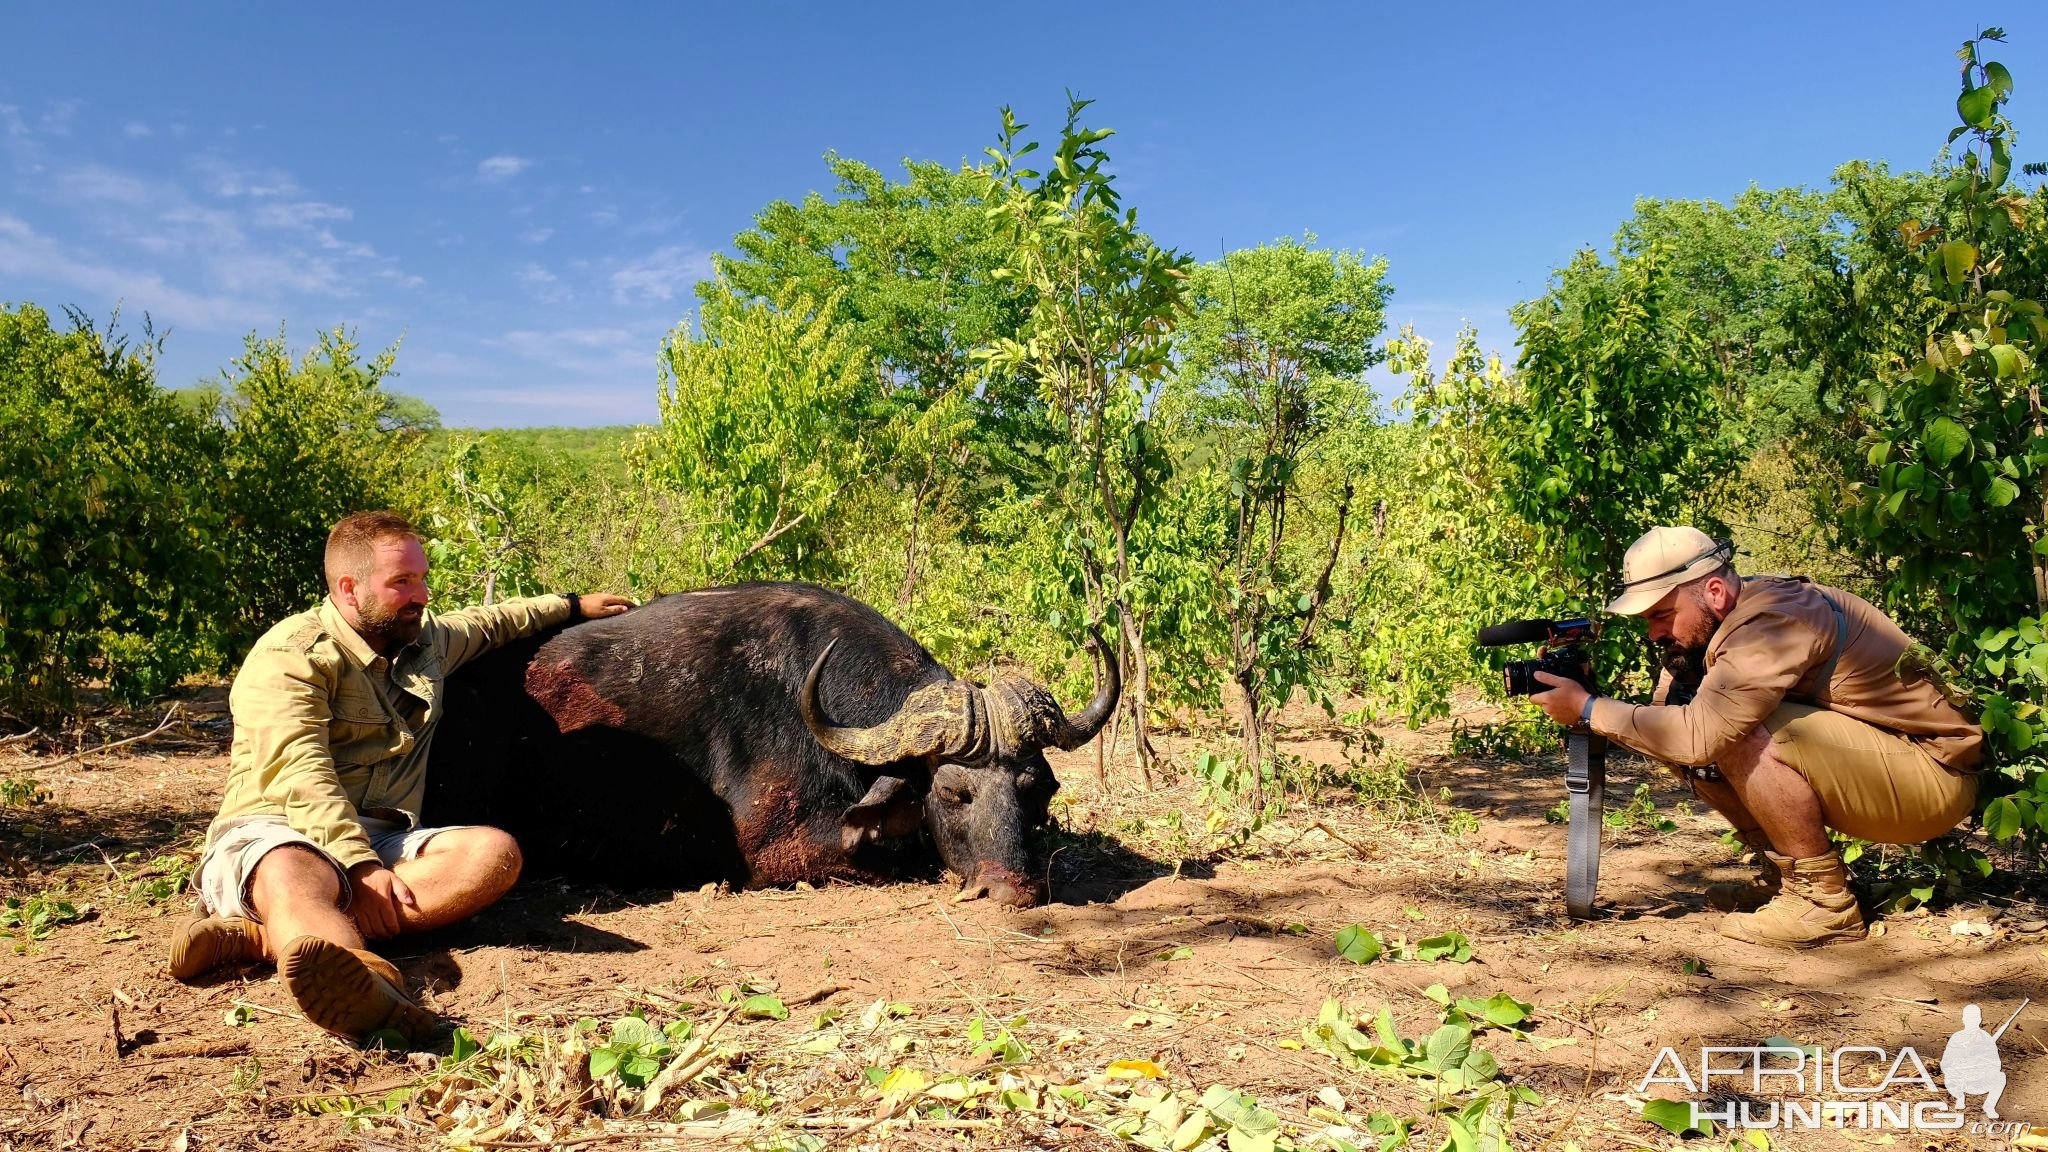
<point>464,635</point>
<point>1757,664</point>
<point>281,707</point>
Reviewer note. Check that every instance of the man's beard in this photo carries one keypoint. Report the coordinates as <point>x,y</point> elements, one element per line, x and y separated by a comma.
<point>1686,665</point>
<point>387,629</point>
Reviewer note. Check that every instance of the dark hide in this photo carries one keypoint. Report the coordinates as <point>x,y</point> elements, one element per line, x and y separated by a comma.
<point>664,748</point>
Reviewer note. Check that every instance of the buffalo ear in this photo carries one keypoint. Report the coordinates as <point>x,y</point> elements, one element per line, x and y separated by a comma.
<point>892,808</point>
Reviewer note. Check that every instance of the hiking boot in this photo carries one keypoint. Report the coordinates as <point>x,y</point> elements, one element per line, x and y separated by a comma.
<point>350,992</point>
<point>211,942</point>
<point>1755,892</point>
<point>1814,907</point>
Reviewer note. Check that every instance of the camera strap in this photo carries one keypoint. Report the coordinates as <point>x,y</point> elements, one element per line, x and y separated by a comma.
<point>1585,779</point>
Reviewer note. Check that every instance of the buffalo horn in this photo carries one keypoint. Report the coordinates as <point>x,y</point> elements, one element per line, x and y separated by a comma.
<point>937,719</point>
<point>1071,734</point>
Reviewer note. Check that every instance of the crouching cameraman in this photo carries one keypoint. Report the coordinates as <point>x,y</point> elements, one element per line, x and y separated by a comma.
<point>1800,723</point>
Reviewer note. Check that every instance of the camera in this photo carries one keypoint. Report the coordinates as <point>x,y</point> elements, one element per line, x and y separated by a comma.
<point>1563,654</point>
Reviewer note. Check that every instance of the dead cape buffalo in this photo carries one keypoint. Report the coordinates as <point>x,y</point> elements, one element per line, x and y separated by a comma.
<point>758,734</point>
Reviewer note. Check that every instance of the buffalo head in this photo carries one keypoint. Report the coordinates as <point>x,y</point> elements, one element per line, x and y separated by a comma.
<point>969,762</point>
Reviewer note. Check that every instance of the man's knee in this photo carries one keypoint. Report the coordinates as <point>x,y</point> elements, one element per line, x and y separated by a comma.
<point>293,872</point>
<point>1753,750</point>
<point>491,855</point>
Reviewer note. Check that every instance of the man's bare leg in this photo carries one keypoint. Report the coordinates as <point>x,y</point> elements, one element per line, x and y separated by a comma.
<point>459,873</point>
<point>1814,905</point>
<point>296,892</point>
<point>1722,797</point>
<point>1780,800</point>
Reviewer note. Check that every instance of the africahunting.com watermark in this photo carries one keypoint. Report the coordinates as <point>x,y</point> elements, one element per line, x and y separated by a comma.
<point>1853,1086</point>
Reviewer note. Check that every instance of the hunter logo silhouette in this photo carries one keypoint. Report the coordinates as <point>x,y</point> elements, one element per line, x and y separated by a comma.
<point>1970,1064</point>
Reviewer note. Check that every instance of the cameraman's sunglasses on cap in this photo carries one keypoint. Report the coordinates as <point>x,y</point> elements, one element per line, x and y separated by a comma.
<point>1635,596</point>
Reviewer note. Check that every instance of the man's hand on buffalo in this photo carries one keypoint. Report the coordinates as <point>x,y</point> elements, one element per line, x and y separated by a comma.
<point>1565,700</point>
<point>598,605</point>
<point>377,894</point>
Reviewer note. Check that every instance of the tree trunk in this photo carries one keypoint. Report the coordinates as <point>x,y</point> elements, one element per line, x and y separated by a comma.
<point>1141,738</point>
<point>1254,729</point>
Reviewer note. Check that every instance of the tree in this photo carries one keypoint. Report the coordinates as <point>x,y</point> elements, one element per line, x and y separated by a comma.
<point>1621,417</point>
<point>1097,341</point>
<point>914,267</point>
<point>109,556</point>
<point>1950,335</point>
<point>1273,353</point>
<point>767,421</point>
<point>306,443</point>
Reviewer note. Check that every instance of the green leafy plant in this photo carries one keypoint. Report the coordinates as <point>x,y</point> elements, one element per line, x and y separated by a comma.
<point>1359,944</point>
<point>28,920</point>
<point>21,792</point>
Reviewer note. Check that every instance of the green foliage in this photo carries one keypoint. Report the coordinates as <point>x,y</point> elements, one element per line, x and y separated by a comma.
<point>27,920</point>
<point>306,442</point>
<point>1102,302</point>
<point>1272,357</point>
<point>915,269</point>
<point>1620,420</point>
<point>110,547</point>
<point>745,409</point>
<point>1358,944</point>
<point>21,792</point>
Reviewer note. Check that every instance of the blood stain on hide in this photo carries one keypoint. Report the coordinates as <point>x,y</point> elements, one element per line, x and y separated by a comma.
<point>570,699</point>
<point>773,836</point>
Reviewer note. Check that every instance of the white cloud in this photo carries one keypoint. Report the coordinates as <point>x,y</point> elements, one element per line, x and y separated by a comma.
<point>496,169</point>
<point>304,214</point>
<point>135,130</point>
<point>26,254</point>
<point>232,180</point>
<point>95,182</point>
<point>535,274</point>
<point>660,274</point>
<point>536,235</point>
<point>588,356</point>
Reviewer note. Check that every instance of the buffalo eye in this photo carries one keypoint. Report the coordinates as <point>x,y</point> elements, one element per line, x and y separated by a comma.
<point>953,794</point>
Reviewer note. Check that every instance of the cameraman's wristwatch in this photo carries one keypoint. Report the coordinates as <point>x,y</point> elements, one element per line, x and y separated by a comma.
<point>1586,711</point>
<point>575,606</point>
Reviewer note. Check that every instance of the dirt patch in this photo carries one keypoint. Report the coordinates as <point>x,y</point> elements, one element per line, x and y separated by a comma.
<point>1153,949</point>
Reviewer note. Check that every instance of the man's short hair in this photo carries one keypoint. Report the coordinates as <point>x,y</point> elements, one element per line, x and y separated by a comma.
<point>1725,573</point>
<point>352,544</point>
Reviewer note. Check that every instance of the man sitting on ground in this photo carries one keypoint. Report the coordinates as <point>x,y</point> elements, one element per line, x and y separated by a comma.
<point>1801,722</point>
<point>318,844</point>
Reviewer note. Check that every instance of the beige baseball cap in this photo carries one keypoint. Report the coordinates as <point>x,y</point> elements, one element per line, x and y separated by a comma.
<point>1662,559</point>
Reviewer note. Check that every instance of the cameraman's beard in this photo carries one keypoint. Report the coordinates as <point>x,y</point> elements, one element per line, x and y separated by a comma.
<point>1686,665</point>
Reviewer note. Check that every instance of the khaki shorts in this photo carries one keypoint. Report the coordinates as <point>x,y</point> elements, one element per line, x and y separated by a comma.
<point>1872,784</point>
<point>229,865</point>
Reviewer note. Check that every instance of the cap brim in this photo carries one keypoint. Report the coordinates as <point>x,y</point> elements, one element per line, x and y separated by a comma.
<point>1637,601</point>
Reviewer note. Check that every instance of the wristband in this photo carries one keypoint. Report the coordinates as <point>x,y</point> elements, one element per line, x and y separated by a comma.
<point>1586,712</point>
<point>575,606</point>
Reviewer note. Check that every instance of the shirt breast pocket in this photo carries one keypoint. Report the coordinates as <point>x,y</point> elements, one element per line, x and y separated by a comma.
<point>361,731</point>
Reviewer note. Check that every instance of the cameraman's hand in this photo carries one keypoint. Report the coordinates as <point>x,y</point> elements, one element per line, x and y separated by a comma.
<point>1565,700</point>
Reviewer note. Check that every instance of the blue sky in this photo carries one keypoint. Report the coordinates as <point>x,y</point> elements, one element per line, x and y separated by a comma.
<point>526,194</point>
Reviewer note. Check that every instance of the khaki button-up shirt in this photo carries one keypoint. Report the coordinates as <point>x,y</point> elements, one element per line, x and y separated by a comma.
<point>327,731</point>
<point>1774,644</point>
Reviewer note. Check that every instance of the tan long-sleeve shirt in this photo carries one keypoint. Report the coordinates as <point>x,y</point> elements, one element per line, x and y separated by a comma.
<point>1774,644</point>
<point>328,731</point>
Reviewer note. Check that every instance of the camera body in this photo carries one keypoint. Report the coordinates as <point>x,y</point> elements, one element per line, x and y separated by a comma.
<point>1563,654</point>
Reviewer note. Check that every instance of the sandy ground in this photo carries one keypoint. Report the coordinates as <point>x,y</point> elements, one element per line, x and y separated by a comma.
<point>1209,965</point>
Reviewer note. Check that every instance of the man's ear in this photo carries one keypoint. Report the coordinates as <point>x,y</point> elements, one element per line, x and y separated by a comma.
<point>891,809</point>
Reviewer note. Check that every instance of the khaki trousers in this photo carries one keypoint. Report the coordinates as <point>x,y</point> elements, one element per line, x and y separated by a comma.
<point>1872,784</point>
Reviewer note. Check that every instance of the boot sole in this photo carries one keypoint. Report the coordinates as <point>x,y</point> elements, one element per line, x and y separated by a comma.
<point>1796,945</point>
<point>337,991</point>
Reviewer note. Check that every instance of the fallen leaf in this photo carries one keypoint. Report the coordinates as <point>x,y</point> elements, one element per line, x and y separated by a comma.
<point>1134,1070</point>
